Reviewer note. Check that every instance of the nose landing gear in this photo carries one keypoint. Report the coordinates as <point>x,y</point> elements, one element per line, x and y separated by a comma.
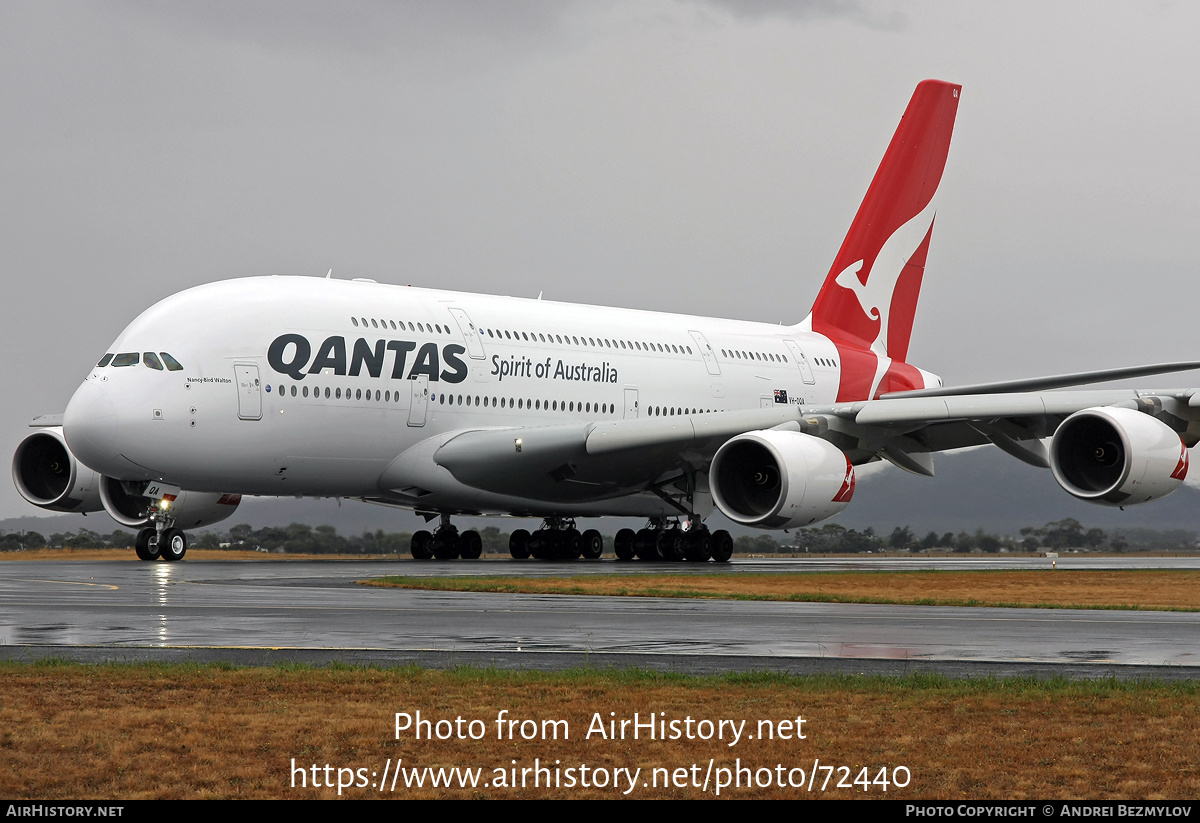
<point>161,540</point>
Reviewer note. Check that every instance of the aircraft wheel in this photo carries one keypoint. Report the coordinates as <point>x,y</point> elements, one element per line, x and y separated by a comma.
<point>572,544</point>
<point>421,546</point>
<point>470,545</point>
<point>670,544</point>
<point>518,544</point>
<point>644,545</point>
<point>445,544</point>
<point>623,544</point>
<point>142,546</point>
<point>593,544</point>
<point>722,546</point>
<point>538,545</point>
<point>699,545</point>
<point>173,545</point>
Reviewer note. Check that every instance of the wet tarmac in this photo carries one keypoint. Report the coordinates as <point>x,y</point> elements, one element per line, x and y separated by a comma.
<point>313,611</point>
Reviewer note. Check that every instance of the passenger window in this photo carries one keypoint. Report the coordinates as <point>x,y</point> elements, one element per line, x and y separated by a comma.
<point>172,363</point>
<point>151,360</point>
<point>104,360</point>
<point>126,359</point>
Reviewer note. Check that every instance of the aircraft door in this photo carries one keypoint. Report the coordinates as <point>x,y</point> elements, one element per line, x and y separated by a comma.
<point>631,404</point>
<point>706,351</point>
<point>420,400</point>
<point>806,371</point>
<point>249,391</point>
<point>470,334</point>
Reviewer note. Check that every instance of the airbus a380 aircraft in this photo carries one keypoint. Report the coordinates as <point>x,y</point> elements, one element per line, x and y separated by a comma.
<point>454,404</point>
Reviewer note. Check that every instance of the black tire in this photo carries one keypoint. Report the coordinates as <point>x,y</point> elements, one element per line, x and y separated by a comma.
<point>593,544</point>
<point>645,545</point>
<point>142,547</point>
<point>623,544</point>
<point>173,545</point>
<point>421,546</point>
<point>571,545</point>
<point>722,546</point>
<point>699,545</point>
<point>670,544</point>
<point>539,545</point>
<point>518,544</point>
<point>470,545</point>
<point>445,544</point>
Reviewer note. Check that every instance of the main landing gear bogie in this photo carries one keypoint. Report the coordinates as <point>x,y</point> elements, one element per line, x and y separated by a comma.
<point>671,543</point>
<point>558,539</point>
<point>446,543</point>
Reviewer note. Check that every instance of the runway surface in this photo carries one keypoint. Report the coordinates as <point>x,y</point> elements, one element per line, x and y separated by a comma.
<point>254,612</point>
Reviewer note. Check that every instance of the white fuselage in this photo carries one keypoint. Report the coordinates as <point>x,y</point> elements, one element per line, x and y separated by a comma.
<point>305,386</point>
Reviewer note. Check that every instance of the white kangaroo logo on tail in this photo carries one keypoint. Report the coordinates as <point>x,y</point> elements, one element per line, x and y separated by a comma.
<point>875,296</point>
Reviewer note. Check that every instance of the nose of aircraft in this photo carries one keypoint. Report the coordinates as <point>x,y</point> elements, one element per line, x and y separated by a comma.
<point>91,425</point>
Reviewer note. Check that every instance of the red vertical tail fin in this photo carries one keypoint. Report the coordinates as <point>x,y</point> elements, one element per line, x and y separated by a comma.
<point>869,298</point>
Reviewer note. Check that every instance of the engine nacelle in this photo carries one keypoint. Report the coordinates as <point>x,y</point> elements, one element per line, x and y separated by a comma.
<point>48,475</point>
<point>1117,457</point>
<point>125,503</point>
<point>780,479</point>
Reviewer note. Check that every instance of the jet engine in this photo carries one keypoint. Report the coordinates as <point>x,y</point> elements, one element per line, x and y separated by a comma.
<point>124,501</point>
<point>780,479</point>
<point>48,475</point>
<point>1117,457</point>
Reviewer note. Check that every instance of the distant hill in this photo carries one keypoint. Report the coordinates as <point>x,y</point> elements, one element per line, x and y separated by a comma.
<point>979,488</point>
<point>987,488</point>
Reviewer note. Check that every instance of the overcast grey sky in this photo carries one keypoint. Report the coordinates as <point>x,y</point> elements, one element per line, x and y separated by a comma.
<point>686,155</point>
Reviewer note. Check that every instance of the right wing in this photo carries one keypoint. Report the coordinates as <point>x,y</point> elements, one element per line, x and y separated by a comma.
<point>773,453</point>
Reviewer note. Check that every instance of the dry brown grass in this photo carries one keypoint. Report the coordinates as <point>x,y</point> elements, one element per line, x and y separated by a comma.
<point>128,732</point>
<point>1135,589</point>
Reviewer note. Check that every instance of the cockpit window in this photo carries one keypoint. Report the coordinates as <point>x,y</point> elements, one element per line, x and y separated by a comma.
<point>172,363</point>
<point>126,359</point>
<point>104,360</point>
<point>151,360</point>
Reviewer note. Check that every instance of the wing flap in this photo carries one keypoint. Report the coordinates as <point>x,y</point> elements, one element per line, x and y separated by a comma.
<point>915,411</point>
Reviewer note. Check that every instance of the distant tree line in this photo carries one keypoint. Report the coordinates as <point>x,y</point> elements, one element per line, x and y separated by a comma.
<point>1059,535</point>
